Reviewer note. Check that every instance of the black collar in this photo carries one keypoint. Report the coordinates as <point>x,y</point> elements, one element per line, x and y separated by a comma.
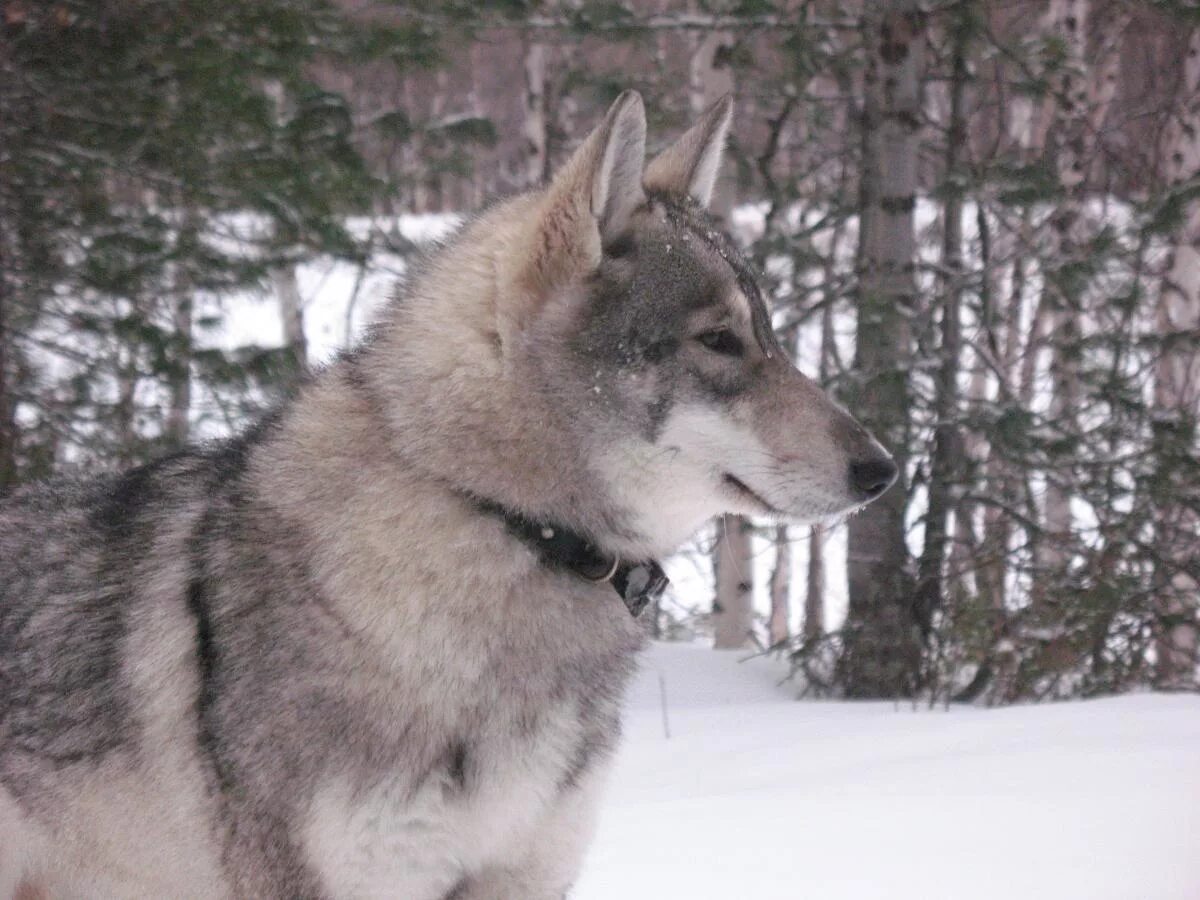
<point>561,548</point>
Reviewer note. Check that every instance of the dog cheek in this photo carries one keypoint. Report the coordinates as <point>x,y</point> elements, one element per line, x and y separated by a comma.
<point>657,412</point>
<point>650,393</point>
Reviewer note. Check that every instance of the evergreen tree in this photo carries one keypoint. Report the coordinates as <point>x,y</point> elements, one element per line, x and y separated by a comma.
<point>145,163</point>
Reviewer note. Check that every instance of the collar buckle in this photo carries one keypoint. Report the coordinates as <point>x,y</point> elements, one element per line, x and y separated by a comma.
<point>604,579</point>
<point>640,584</point>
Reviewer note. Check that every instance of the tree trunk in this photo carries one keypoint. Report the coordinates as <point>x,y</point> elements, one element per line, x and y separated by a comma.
<point>947,442</point>
<point>178,423</point>
<point>882,651</point>
<point>778,625</point>
<point>179,381</point>
<point>534,126</point>
<point>1061,296</point>
<point>476,188</point>
<point>1084,91</point>
<point>733,606</point>
<point>710,78</point>
<point>283,276</point>
<point>1000,481</point>
<point>291,313</point>
<point>814,595</point>
<point>967,554</point>
<point>8,425</point>
<point>125,411</point>
<point>1177,401</point>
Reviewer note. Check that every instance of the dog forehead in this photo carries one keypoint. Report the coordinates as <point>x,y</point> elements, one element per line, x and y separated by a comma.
<point>677,263</point>
<point>688,261</point>
<point>673,265</point>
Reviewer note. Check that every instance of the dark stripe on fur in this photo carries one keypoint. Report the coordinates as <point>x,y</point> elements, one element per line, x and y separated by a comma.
<point>119,509</point>
<point>206,666</point>
<point>459,760</point>
<point>227,466</point>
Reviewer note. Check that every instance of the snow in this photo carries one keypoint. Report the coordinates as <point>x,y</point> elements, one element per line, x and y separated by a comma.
<point>338,298</point>
<point>755,794</point>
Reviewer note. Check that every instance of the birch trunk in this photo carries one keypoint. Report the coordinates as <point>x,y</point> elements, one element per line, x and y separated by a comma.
<point>947,442</point>
<point>1084,93</point>
<point>283,276</point>
<point>778,624</point>
<point>882,651</point>
<point>177,429</point>
<point>1177,398</point>
<point>8,427</point>
<point>733,606</point>
<point>1000,479</point>
<point>710,78</point>
<point>1061,298</point>
<point>534,127</point>
<point>125,410</point>
<point>814,595</point>
<point>291,314</point>
<point>476,188</point>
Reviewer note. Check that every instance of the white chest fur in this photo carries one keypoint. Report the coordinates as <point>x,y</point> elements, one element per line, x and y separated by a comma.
<point>416,838</point>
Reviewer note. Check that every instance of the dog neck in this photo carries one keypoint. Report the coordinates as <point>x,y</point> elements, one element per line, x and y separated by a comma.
<point>558,547</point>
<point>459,411</point>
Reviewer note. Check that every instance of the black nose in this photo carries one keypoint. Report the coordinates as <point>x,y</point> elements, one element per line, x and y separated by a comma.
<point>871,477</point>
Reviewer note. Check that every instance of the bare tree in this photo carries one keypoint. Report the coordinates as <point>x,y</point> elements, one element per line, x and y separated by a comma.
<point>778,626</point>
<point>534,101</point>
<point>1013,354</point>
<point>882,648</point>
<point>1083,91</point>
<point>177,427</point>
<point>283,276</point>
<point>291,313</point>
<point>8,426</point>
<point>733,606</point>
<point>1177,397</point>
<point>945,460</point>
<point>814,595</point>
<point>827,364</point>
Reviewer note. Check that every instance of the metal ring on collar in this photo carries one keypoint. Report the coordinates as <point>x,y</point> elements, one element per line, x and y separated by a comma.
<point>611,572</point>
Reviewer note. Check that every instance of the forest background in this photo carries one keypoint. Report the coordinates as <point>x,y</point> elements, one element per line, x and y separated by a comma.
<point>978,224</point>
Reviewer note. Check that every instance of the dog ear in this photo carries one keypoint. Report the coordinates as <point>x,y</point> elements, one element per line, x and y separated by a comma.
<point>688,168</point>
<point>588,204</point>
<point>616,165</point>
<point>586,207</point>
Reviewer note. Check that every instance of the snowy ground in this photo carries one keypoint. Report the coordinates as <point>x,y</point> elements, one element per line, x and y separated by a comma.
<point>756,795</point>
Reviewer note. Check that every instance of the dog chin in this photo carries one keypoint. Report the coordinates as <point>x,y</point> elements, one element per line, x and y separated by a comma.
<point>744,497</point>
<point>745,500</point>
<point>823,512</point>
<point>836,512</point>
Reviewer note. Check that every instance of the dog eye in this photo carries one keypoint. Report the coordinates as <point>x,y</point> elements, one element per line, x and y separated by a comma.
<point>721,340</point>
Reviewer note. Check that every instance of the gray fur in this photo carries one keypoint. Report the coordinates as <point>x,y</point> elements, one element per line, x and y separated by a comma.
<point>304,663</point>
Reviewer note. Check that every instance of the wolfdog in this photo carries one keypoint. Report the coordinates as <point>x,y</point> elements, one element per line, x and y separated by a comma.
<point>376,646</point>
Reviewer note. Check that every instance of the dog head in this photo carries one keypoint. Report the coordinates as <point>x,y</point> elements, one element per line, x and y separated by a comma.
<point>628,306</point>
